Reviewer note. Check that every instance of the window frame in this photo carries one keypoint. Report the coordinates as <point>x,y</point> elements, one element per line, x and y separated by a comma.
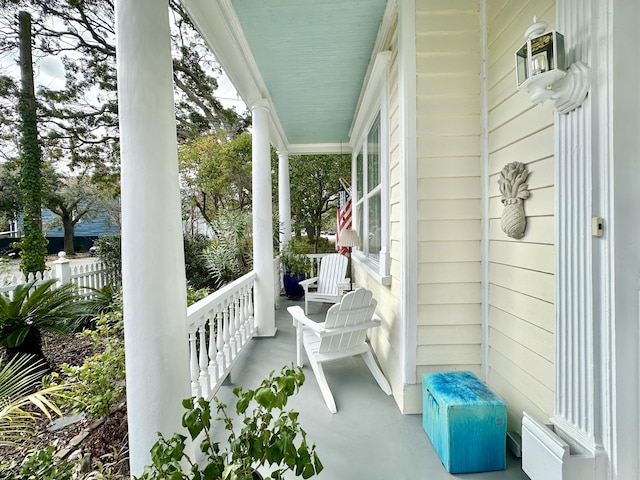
<point>374,105</point>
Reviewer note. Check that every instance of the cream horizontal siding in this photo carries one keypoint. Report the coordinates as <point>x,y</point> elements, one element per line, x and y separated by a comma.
<point>520,272</point>
<point>449,186</point>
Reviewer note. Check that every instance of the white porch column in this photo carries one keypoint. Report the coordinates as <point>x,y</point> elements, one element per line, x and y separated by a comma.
<point>262,222</point>
<point>152,251</point>
<point>284,197</point>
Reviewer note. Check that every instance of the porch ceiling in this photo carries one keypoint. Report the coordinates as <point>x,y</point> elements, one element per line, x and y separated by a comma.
<point>308,58</point>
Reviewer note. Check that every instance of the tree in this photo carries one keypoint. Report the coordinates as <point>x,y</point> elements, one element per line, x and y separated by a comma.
<point>72,199</point>
<point>314,188</point>
<point>80,121</point>
<point>216,174</point>
<point>10,196</point>
<point>33,247</point>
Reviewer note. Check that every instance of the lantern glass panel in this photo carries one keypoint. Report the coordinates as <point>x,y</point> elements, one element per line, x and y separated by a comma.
<point>558,47</point>
<point>522,72</point>
<point>542,54</point>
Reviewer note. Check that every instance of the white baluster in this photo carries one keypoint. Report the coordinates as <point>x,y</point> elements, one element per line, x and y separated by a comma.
<point>236,318</point>
<point>213,352</point>
<point>222,365</point>
<point>203,361</point>
<point>227,337</point>
<point>193,365</point>
<point>252,325</point>
<point>243,315</point>
<point>231,322</point>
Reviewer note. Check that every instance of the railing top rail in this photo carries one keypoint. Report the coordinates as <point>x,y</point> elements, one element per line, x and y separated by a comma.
<point>317,255</point>
<point>218,297</point>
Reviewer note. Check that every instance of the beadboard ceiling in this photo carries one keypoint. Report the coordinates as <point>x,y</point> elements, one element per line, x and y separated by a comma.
<point>310,55</point>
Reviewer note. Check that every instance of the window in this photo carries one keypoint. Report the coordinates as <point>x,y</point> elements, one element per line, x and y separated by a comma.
<point>369,204</point>
<point>370,171</point>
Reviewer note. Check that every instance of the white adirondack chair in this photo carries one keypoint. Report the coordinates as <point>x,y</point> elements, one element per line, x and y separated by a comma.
<point>343,334</point>
<point>324,287</point>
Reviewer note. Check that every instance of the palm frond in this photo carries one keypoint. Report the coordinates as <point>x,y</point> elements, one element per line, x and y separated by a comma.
<point>19,378</point>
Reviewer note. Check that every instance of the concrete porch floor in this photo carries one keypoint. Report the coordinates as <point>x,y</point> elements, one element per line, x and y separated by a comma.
<point>368,438</point>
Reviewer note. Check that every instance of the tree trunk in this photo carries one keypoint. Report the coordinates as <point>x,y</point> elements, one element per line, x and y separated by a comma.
<point>33,245</point>
<point>68,227</point>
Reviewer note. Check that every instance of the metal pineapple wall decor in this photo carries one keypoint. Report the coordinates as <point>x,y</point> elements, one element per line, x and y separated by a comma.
<point>514,191</point>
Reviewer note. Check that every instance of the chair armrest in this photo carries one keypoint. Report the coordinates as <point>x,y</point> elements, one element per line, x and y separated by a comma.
<point>306,283</point>
<point>300,319</point>
<point>328,332</point>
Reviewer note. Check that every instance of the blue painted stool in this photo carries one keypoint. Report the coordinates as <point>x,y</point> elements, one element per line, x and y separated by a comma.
<point>465,421</point>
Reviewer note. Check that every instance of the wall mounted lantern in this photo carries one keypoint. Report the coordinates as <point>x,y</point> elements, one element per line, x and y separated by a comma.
<point>541,70</point>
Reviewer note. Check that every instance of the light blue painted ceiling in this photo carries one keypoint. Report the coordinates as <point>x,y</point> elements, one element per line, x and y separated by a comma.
<point>313,56</point>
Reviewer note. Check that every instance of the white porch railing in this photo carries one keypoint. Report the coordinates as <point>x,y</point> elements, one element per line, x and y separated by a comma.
<point>220,326</point>
<point>84,277</point>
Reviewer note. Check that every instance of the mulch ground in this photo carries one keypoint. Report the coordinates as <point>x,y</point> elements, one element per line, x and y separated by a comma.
<point>107,437</point>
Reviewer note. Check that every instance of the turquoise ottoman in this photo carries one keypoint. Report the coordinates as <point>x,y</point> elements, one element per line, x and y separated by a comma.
<point>465,421</point>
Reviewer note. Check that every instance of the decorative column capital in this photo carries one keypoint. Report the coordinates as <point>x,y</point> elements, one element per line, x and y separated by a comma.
<point>260,104</point>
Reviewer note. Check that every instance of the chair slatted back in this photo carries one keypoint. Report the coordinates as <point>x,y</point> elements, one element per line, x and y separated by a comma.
<point>332,270</point>
<point>356,308</point>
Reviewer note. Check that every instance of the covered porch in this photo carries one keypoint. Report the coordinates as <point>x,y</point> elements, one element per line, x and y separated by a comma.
<point>431,114</point>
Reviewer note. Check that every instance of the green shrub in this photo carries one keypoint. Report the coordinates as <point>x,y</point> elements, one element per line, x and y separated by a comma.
<point>39,464</point>
<point>270,436</point>
<point>194,261</point>
<point>230,254</point>
<point>194,295</point>
<point>110,253</point>
<point>97,385</point>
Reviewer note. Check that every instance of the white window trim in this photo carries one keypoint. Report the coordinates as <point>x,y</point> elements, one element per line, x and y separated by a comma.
<point>375,99</point>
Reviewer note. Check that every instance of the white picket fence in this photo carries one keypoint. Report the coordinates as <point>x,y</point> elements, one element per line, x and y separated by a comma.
<point>220,326</point>
<point>85,277</point>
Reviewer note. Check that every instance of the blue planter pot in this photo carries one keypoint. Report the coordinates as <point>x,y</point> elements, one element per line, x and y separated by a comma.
<point>291,286</point>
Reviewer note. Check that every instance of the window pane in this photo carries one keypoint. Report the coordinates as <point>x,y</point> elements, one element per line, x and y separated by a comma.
<point>360,220</point>
<point>375,224</point>
<point>373,155</point>
<point>359,176</point>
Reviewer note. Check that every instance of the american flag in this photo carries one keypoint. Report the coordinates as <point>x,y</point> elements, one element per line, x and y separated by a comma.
<point>344,213</point>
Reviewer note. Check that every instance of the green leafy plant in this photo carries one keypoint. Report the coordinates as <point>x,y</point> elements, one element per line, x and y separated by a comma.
<point>19,387</point>
<point>39,464</point>
<point>194,295</point>
<point>294,260</point>
<point>109,251</point>
<point>98,384</point>
<point>270,436</point>
<point>194,261</point>
<point>34,309</point>
<point>230,254</point>
<point>96,302</point>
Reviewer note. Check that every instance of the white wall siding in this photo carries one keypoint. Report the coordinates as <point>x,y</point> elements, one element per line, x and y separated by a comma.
<point>448,186</point>
<point>520,272</point>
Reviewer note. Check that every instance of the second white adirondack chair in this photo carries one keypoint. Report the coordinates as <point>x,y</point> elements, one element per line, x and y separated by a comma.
<point>324,287</point>
<point>343,334</point>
